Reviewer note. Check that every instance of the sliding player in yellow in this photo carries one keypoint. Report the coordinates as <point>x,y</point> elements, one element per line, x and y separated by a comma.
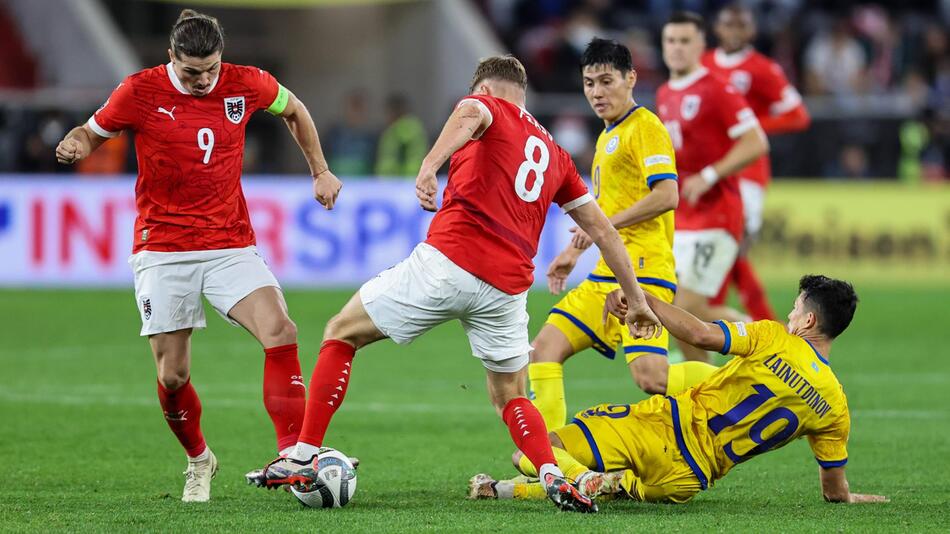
<point>779,387</point>
<point>634,182</point>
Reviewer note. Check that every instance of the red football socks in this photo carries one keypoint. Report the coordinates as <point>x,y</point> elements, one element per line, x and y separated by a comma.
<point>182,411</point>
<point>285,395</point>
<point>528,431</point>
<point>751,292</point>
<point>331,376</point>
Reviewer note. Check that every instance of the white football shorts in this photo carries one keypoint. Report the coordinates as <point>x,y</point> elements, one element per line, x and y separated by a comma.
<point>703,259</point>
<point>427,289</point>
<point>753,205</point>
<point>169,285</point>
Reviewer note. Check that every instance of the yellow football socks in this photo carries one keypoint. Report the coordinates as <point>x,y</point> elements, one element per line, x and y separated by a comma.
<point>547,383</point>
<point>683,376</point>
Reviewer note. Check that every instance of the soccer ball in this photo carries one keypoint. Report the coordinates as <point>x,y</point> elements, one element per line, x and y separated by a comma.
<point>339,481</point>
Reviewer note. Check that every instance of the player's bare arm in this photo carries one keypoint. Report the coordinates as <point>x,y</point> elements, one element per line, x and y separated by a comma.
<point>834,488</point>
<point>78,144</point>
<point>466,122</point>
<point>326,186</point>
<point>643,323</point>
<point>750,146</point>
<point>680,323</point>
<point>663,198</point>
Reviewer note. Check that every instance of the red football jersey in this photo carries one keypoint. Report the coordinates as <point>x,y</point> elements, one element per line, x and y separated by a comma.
<point>704,116</point>
<point>497,197</point>
<point>765,87</point>
<point>190,151</point>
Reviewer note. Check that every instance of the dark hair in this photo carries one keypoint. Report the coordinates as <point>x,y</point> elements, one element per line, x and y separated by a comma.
<point>736,8</point>
<point>607,52</point>
<point>504,68</point>
<point>688,17</point>
<point>833,301</point>
<point>196,35</point>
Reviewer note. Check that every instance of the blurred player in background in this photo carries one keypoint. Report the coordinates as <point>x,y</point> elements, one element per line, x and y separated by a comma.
<point>193,235</point>
<point>779,109</point>
<point>779,387</point>
<point>634,182</point>
<point>715,135</point>
<point>475,266</point>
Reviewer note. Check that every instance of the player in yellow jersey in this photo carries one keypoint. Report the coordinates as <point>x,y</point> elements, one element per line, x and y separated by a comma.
<point>634,182</point>
<point>779,387</point>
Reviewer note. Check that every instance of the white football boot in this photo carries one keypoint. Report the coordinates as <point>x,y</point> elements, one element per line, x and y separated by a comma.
<point>198,477</point>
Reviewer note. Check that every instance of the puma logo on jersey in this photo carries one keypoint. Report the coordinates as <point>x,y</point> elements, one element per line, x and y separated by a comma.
<point>169,113</point>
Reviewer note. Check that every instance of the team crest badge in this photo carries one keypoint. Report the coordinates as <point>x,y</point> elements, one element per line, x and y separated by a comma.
<point>147,308</point>
<point>690,107</point>
<point>234,108</point>
<point>741,80</point>
<point>612,144</point>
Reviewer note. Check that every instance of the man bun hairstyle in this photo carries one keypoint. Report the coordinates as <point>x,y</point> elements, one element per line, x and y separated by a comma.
<point>505,68</point>
<point>832,301</point>
<point>196,35</point>
<point>607,52</point>
<point>688,17</point>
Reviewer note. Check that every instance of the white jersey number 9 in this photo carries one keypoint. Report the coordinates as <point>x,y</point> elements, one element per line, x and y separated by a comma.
<point>531,165</point>
<point>206,143</point>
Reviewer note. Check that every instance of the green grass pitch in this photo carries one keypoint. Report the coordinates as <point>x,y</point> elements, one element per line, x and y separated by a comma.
<point>84,447</point>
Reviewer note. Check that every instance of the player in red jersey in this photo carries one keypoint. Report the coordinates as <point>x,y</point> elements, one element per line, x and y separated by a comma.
<point>779,108</point>
<point>475,266</point>
<point>193,235</point>
<point>714,134</point>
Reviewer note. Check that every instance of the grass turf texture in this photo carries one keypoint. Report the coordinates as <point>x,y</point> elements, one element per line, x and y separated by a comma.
<point>84,446</point>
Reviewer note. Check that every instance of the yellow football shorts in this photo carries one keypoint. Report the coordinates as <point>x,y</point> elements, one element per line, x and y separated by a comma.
<point>638,438</point>
<point>579,316</point>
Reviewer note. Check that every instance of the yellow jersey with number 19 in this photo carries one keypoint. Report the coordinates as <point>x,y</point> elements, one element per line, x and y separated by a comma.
<point>777,388</point>
<point>633,154</point>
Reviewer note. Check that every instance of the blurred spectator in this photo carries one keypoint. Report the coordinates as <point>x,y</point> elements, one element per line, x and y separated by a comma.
<point>852,162</point>
<point>110,158</point>
<point>403,144</point>
<point>835,62</point>
<point>351,144</point>
<point>580,28</point>
<point>571,132</point>
<point>38,151</point>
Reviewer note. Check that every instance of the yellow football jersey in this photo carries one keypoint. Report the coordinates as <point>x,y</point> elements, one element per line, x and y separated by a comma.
<point>777,389</point>
<point>632,155</point>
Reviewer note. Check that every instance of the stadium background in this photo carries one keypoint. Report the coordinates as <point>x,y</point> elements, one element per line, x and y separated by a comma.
<point>862,195</point>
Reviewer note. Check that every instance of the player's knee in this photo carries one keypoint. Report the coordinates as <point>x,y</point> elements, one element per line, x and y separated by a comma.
<point>547,348</point>
<point>283,331</point>
<point>172,379</point>
<point>651,380</point>
<point>555,440</point>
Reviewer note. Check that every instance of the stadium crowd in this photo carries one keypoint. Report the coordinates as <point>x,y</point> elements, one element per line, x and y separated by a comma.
<point>889,62</point>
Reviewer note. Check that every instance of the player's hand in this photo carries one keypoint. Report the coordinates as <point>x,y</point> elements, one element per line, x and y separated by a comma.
<point>694,187</point>
<point>326,187</point>
<point>69,151</point>
<point>427,187</point>
<point>616,305</point>
<point>859,498</point>
<point>641,321</point>
<point>559,270</point>
<point>580,240</point>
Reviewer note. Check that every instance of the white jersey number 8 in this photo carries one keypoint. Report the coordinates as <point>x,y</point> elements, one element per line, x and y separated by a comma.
<point>530,165</point>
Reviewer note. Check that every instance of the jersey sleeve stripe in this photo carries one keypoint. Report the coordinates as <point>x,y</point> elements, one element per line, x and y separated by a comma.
<point>100,131</point>
<point>738,129</point>
<point>597,344</point>
<point>832,463</point>
<point>646,348</point>
<point>481,105</point>
<point>593,444</point>
<point>790,100</point>
<point>654,178</point>
<point>727,344</point>
<point>577,202</point>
